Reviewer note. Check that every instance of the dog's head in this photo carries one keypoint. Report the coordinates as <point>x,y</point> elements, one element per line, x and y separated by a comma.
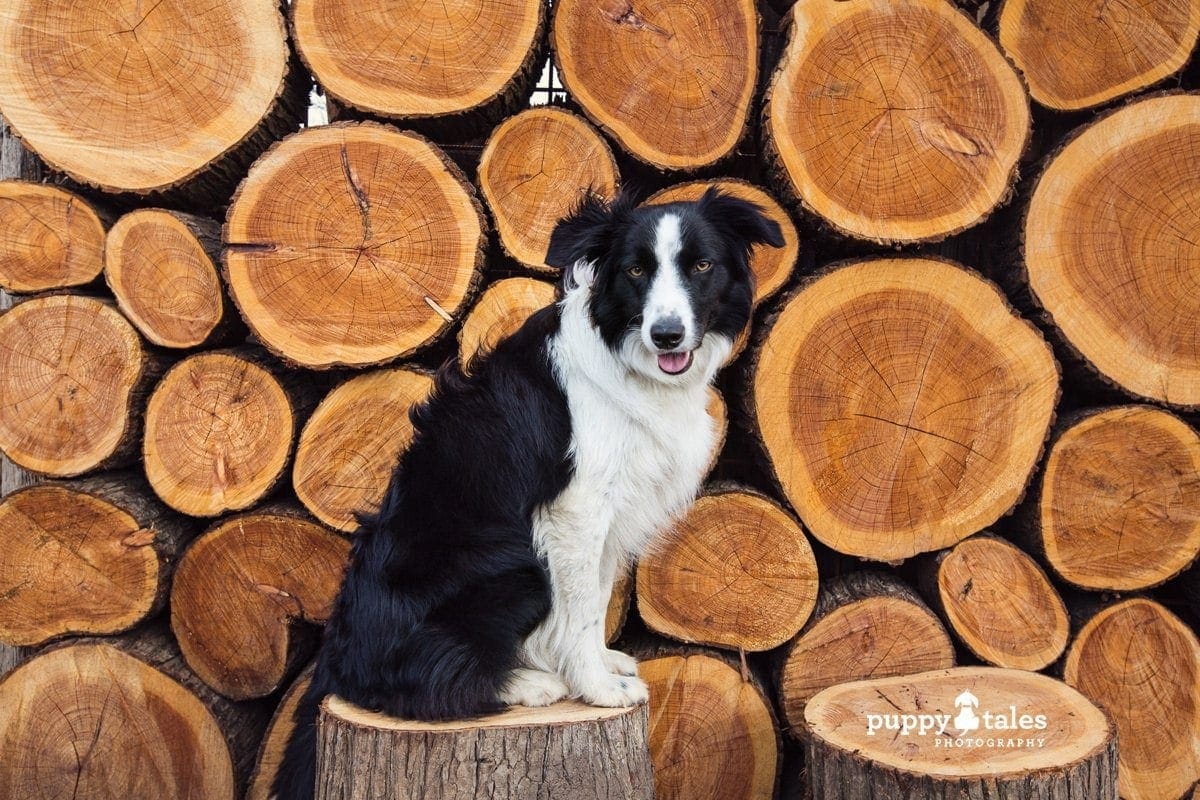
<point>667,282</point>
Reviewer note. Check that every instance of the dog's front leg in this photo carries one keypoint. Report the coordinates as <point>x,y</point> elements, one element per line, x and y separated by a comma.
<point>611,563</point>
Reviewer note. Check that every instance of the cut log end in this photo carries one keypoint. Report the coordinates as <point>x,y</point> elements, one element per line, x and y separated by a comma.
<point>270,752</point>
<point>500,311</point>
<point>49,239</point>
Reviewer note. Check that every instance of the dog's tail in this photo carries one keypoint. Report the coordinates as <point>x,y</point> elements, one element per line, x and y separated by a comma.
<point>297,775</point>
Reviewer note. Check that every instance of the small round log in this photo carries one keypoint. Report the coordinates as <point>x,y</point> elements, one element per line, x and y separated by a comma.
<point>500,311</point>
<point>719,411</point>
<point>618,606</point>
<point>736,572</point>
<point>350,445</point>
<point>352,245</point>
<point>903,405</point>
<point>895,122</point>
<point>279,731</point>
<point>49,238</point>
<point>564,750</point>
<point>1035,738</point>
<point>671,80</point>
<point>242,589</point>
<point>534,169</point>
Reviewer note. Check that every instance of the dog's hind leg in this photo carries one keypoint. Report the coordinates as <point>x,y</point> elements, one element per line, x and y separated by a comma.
<point>533,687</point>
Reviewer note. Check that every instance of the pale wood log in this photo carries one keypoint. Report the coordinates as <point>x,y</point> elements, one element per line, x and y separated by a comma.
<point>49,238</point>
<point>500,311</point>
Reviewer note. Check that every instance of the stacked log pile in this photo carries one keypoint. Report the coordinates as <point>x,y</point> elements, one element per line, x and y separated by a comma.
<point>961,430</point>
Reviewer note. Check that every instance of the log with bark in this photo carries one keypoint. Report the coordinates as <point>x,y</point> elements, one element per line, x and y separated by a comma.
<point>500,311</point>
<point>274,741</point>
<point>49,238</point>
<point>895,122</point>
<point>902,404</point>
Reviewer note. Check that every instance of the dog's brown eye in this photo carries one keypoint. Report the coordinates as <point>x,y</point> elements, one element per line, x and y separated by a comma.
<point>636,272</point>
<point>702,266</point>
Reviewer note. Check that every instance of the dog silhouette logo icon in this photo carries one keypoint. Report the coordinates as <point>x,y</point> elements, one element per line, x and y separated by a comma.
<point>966,720</point>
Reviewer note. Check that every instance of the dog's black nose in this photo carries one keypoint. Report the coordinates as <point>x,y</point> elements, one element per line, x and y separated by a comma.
<point>667,333</point>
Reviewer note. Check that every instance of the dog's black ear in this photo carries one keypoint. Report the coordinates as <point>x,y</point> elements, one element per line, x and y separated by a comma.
<point>586,232</point>
<point>741,219</point>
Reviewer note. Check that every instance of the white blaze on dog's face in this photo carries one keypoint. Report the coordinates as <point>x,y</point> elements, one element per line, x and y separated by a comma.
<point>669,322</point>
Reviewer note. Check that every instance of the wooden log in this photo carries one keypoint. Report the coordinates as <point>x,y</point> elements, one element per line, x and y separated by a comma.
<point>894,122</point>
<point>450,71</point>
<point>270,751</point>
<point>865,625</point>
<point>1141,663</point>
<point>219,430</point>
<point>93,556</point>
<point>162,268</point>
<point>353,244</point>
<point>772,266</point>
<point>902,404</point>
<point>564,750</point>
<point>736,572</point>
<point>73,377</point>
<point>1076,55</point>
<point>535,168</point>
<point>1038,739</point>
<point>213,89</point>
<point>618,606</point>
<point>349,448</point>
<point>1117,505</point>
<point>500,311</point>
<point>998,602</point>
<point>241,591</point>
<point>671,82</point>
<point>49,238</point>
<point>1108,250</point>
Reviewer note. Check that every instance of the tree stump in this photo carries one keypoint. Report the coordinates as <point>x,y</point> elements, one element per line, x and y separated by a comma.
<point>241,591</point>
<point>865,625</point>
<point>73,376</point>
<point>566,750</point>
<point>162,268</point>
<point>736,571</point>
<point>903,405</point>
<point>1080,54</point>
<point>671,80</point>
<point>1030,737</point>
<point>350,446</point>
<point>353,245</point>
<point>500,311</point>
<point>535,168</point>
<point>895,122</point>
<point>173,93</point>
<point>1125,303</point>
<point>49,238</point>
<point>1141,663</point>
<point>1118,507</point>
<point>446,68</point>
<point>94,556</point>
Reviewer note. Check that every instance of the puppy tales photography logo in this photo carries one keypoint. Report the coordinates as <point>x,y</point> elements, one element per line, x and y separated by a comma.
<point>972,726</point>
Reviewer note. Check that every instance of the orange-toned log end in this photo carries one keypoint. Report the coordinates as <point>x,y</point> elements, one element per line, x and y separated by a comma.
<point>618,606</point>
<point>535,168</point>
<point>709,728</point>
<point>865,625</point>
<point>895,122</point>
<point>1000,604</point>
<point>854,749</point>
<point>736,571</point>
<point>72,371</point>
<point>1119,507</point>
<point>240,589</point>
<point>1080,54</point>
<point>349,448</point>
<point>1141,664</point>
<point>139,97</point>
<point>903,405</point>
<point>353,244</point>
<point>162,268</point>
<point>501,310</point>
<point>416,60</point>
<point>671,80</point>
<point>90,721</point>
<point>49,238</point>
<point>1127,304</point>
<point>219,430</point>
<point>772,266</point>
<point>270,751</point>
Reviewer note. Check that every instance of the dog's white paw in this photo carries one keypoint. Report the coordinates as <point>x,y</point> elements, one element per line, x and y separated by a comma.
<point>618,663</point>
<point>533,687</point>
<point>615,691</point>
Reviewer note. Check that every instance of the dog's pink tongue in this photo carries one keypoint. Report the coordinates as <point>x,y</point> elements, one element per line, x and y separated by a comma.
<point>674,363</point>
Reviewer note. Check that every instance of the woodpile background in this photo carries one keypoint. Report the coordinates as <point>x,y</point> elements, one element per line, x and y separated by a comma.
<point>962,429</point>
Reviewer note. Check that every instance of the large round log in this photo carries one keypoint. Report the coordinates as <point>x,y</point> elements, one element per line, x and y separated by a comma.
<point>500,311</point>
<point>353,244</point>
<point>49,238</point>
<point>1110,252</point>
<point>671,80</point>
<point>903,405</point>
<point>895,122</point>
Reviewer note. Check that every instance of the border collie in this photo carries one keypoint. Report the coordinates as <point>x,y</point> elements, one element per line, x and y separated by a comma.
<point>484,578</point>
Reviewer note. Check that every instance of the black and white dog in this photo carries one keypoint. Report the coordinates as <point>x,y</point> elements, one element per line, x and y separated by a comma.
<point>484,578</point>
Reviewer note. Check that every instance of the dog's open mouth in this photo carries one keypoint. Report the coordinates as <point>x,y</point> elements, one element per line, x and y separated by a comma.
<point>675,363</point>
